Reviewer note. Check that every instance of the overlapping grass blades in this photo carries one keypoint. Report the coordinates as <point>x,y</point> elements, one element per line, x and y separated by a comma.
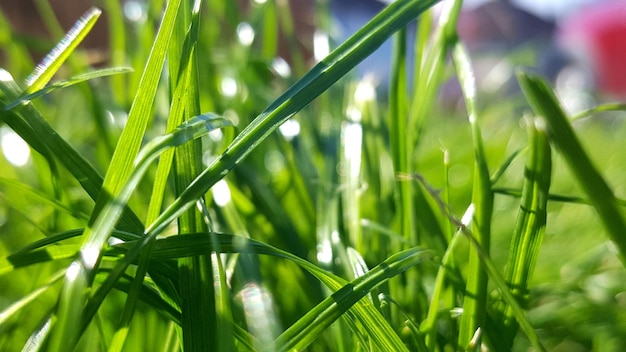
<point>316,81</point>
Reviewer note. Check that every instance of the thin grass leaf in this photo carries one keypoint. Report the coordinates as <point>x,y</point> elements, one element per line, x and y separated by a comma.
<point>303,332</point>
<point>52,62</point>
<point>122,163</point>
<point>544,103</point>
<point>66,83</point>
<point>598,109</point>
<point>474,301</point>
<point>9,187</point>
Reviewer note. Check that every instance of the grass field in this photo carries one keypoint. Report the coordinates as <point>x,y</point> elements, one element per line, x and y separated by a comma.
<point>199,194</point>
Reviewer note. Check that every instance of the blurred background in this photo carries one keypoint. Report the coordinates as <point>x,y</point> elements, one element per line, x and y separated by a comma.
<point>579,44</point>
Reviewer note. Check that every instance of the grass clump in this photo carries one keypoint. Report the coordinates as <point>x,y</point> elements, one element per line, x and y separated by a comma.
<point>348,229</point>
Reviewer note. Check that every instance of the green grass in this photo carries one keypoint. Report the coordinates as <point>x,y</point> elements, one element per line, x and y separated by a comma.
<point>160,211</point>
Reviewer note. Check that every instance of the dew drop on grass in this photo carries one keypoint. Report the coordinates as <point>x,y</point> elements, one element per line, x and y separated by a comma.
<point>15,150</point>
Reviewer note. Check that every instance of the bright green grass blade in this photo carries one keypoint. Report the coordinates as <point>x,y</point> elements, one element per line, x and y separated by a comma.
<point>117,48</point>
<point>128,145</point>
<point>67,83</point>
<point>530,226</point>
<point>544,103</point>
<point>95,236</point>
<point>53,61</point>
<point>474,301</point>
<point>316,81</point>
<point>398,115</point>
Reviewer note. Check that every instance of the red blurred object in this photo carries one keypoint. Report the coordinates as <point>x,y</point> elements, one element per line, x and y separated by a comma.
<point>596,36</point>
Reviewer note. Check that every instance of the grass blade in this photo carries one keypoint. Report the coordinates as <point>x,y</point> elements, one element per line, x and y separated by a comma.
<point>544,103</point>
<point>474,302</point>
<point>531,222</point>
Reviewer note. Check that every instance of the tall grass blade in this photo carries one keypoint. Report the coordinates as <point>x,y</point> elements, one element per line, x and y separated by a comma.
<point>475,299</point>
<point>66,83</point>
<point>531,223</point>
<point>544,103</point>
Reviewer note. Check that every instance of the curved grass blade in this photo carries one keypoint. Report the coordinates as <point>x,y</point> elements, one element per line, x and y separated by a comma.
<point>66,83</point>
<point>475,299</point>
<point>52,62</point>
<point>545,104</point>
<point>599,108</point>
<point>80,272</point>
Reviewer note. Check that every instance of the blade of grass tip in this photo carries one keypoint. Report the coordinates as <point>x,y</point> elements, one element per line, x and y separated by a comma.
<point>53,61</point>
<point>474,301</point>
<point>545,104</point>
<point>530,226</point>
<point>316,81</point>
<point>80,273</point>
